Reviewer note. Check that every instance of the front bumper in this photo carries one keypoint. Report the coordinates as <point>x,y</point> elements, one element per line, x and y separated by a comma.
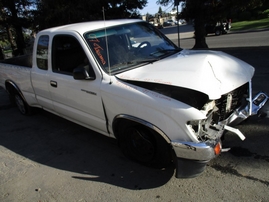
<point>195,151</point>
<point>192,158</point>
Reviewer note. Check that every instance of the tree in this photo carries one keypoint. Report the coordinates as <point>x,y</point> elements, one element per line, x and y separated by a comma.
<point>16,14</point>
<point>196,10</point>
<point>68,11</point>
<point>19,14</point>
<point>160,11</point>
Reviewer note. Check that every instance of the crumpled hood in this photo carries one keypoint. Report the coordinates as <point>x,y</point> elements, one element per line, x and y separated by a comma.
<point>211,72</point>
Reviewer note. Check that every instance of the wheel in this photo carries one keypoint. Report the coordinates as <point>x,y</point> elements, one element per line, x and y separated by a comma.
<point>144,146</point>
<point>21,104</point>
<point>217,32</point>
<point>139,145</point>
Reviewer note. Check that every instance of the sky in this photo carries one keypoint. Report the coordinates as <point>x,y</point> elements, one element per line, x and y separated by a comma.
<point>153,8</point>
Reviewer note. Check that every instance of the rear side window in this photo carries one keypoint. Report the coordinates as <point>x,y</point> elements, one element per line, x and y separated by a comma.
<point>67,54</point>
<point>42,52</point>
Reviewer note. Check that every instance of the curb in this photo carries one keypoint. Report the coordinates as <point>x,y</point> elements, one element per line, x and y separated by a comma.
<point>248,30</point>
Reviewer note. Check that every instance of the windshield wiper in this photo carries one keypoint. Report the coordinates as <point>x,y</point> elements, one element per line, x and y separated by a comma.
<point>170,50</point>
<point>149,60</point>
<point>164,51</point>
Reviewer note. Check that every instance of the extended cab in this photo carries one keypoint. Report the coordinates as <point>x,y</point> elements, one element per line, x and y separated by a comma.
<point>126,80</point>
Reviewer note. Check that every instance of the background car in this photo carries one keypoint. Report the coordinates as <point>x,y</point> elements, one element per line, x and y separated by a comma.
<point>177,22</point>
<point>156,24</point>
<point>168,23</point>
<point>182,21</point>
<point>215,28</point>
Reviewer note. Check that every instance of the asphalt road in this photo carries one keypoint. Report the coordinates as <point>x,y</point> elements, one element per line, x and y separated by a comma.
<point>46,158</point>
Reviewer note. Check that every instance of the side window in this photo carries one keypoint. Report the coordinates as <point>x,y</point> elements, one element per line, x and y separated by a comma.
<point>67,54</point>
<point>42,52</point>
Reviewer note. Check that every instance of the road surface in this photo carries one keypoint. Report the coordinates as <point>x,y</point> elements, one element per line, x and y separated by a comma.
<point>252,38</point>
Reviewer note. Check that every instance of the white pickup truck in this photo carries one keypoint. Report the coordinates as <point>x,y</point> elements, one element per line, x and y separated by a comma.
<point>126,80</point>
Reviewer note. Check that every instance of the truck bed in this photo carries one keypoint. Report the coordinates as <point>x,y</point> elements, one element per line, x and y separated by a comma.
<point>25,60</point>
<point>18,72</point>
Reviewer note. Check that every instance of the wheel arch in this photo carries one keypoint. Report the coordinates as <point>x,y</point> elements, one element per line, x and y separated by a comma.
<point>119,119</point>
<point>12,88</point>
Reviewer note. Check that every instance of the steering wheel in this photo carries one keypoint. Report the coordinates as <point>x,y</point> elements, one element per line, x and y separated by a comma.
<point>144,43</point>
<point>143,46</point>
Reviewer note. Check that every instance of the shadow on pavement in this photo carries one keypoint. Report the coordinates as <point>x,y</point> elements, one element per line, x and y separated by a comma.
<point>55,142</point>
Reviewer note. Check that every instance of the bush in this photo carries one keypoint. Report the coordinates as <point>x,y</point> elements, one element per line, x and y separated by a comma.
<point>245,16</point>
<point>265,13</point>
<point>5,44</point>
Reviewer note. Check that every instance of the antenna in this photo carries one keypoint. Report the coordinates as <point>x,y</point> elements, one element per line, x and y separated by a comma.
<point>107,51</point>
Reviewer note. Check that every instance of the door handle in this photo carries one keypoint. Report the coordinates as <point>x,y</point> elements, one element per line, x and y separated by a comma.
<point>53,84</point>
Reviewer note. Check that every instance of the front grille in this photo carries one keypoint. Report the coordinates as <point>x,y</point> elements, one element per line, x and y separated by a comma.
<point>231,101</point>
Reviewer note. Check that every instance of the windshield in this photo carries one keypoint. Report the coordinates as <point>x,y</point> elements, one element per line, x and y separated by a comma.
<point>129,46</point>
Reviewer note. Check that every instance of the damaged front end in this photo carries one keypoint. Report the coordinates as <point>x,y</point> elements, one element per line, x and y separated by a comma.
<point>191,157</point>
<point>231,109</point>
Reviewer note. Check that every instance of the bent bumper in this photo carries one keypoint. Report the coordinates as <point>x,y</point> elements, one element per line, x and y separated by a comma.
<point>195,151</point>
<point>192,158</point>
<point>250,109</point>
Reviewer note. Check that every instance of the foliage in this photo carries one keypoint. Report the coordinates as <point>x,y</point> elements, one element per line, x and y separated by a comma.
<point>265,13</point>
<point>14,15</point>
<point>4,44</point>
<point>160,11</point>
<point>251,10</point>
<point>65,12</point>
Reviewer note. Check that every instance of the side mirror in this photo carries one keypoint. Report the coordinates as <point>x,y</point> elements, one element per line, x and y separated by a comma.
<point>80,73</point>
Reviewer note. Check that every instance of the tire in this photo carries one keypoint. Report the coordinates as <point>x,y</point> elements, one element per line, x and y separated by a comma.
<point>21,104</point>
<point>143,145</point>
<point>217,32</point>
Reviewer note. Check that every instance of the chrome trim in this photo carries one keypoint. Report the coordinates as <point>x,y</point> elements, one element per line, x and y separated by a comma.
<point>236,131</point>
<point>244,112</point>
<point>250,97</point>
<point>145,123</point>
<point>254,107</point>
<point>194,151</point>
